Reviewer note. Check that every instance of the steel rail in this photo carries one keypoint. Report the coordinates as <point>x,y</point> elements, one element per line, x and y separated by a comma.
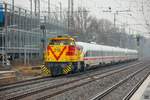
<point>109,90</point>
<point>130,94</point>
<point>23,83</point>
<point>71,82</point>
<point>42,79</point>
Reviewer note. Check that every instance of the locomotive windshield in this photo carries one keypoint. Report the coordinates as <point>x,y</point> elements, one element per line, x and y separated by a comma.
<point>61,42</point>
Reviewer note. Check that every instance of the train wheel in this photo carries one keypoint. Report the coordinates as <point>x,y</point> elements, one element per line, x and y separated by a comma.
<point>87,67</point>
<point>82,66</point>
<point>75,67</point>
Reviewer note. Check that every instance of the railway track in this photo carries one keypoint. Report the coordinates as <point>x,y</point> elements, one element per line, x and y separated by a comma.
<point>47,78</point>
<point>91,79</point>
<point>111,89</point>
<point>70,85</point>
<point>131,92</point>
<point>23,83</point>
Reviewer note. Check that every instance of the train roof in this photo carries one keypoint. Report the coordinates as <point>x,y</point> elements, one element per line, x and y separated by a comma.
<point>90,46</point>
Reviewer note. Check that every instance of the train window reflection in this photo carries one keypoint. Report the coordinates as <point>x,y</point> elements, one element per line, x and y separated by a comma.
<point>61,42</point>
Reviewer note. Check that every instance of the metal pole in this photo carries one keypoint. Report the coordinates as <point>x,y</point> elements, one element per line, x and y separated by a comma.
<point>44,36</point>
<point>49,8</point>
<point>5,35</point>
<point>121,44</point>
<point>39,10</point>
<point>114,20</point>
<point>35,6</point>
<point>43,41</point>
<point>19,33</point>
<point>68,16</point>
<point>71,19</point>
<point>25,56</point>
<point>13,3</point>
<point>44,33</point>
<point>31,6</point>
<point>28,53</point>
<point>60,11</point>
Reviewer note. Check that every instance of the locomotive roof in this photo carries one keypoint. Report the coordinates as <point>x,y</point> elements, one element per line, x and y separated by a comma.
<point>61,38</point>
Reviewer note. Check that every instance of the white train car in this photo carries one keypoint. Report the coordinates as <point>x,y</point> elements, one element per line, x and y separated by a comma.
<point>95,54</point>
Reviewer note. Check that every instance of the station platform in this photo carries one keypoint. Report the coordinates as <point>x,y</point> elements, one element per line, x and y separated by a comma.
<point>143,93</point>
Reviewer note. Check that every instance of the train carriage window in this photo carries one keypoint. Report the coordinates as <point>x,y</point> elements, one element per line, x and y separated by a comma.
<point>105,53</point>
<point>99,53</point>
<point>119,53</point>
<point>108,53</point>
<point>95,53</point>
<point>91,53</point>
<point>111,53</point>
<point>116,53</point>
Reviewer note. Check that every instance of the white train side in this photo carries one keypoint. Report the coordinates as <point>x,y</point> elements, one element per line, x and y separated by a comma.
<point>95,54</point>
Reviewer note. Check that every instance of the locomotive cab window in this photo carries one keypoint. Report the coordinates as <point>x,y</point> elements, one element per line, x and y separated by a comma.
<point>61,42</point>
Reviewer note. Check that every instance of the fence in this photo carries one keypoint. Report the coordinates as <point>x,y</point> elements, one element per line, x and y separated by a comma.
<point>21,34</point>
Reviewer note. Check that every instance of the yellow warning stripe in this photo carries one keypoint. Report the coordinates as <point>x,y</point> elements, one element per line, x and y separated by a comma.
<point>45,70</point>
<point>67,69</point>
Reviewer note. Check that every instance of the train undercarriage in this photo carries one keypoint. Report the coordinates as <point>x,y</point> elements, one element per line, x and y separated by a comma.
<point>62,68</point>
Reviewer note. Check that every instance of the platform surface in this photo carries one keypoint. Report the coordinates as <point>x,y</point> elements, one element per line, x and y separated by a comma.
<point>143,93</point>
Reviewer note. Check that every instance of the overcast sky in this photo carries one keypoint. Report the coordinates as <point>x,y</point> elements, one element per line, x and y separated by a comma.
<point>96,7</point>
